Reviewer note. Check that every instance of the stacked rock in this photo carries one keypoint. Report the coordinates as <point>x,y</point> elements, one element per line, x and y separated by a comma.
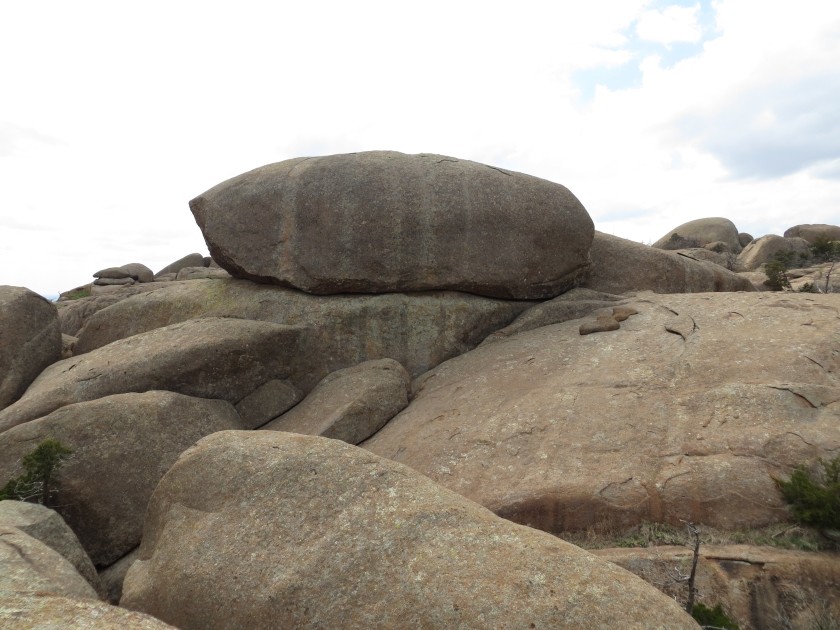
<point>125,274</point>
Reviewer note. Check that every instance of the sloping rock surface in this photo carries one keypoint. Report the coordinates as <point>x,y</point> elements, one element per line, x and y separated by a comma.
<point>23,611</point>
<point>122,445</point>
<point>209,358</point>
<point>30,340</point>
<point>266,529</point>
<point>620,265</point>
<point>418,330</point>
<point>382,221</point>
<point>350,404</point>
<point>46,525</point>
<point>687,412</point>
<point>30,566</point>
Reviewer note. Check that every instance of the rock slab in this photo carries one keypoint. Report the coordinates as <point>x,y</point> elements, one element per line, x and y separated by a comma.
<point>382,221</point>
<point>688,411</point>
<point>350,404</point>
<point>212,357</point>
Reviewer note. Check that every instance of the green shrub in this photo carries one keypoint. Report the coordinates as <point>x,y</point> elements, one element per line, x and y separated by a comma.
<point>808,287</point>
<point>777,279</point>
<point>39,467</point>
<point>712,617</point>
<point>815,497</point>
<point>825,249</point>
<point>76,294</point>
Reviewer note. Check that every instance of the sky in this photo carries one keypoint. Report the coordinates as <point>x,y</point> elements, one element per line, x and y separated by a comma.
<point>113,115</point>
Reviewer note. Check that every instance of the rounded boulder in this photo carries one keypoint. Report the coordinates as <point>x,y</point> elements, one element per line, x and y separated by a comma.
<point>382,221</point>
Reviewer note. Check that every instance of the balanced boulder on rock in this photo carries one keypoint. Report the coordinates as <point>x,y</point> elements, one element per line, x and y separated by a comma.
<point>384,221</point>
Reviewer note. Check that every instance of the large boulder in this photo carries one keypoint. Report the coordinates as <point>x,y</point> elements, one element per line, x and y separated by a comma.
<point>812,232</point>
<point>350,404</point>
<point>46,525</point>
<point>688,411</point>
<point>418,330</point>
<point>122,445</point>
<point>266,529</point>
<point>762,250</point>
<point>209,358</point>
<point>30,566</point>
<point>701,232</point>
<point>383,221</point>
<point>30,340</point>
<point>620,265</point>
<point>27,611</point>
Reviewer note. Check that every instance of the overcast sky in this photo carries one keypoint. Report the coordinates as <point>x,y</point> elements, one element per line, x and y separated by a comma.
<point>114,115</point>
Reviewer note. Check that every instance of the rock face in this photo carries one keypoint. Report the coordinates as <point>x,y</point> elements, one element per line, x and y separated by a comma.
<point>30,340</point>
<point>811,232</point>
<point>314,533</point>
<point>24,611</point>
<point>687,412</point>
<point>212,357</point>
<point>619,265</point>
<point>383,221</point>
<point>702,232</point>
<point>122,445</point>
<point>418,330</point>
<point>350,404</point>
<point>762,250</point>
<point>30,566</point>
<point>47,526</point>
<point>758,587</point>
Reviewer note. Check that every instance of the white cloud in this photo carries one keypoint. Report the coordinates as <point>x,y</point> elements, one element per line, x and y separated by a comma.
<point>672,24</point>
<point>149,105</point>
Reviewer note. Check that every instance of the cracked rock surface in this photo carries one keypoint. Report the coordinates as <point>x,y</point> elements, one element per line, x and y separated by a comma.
<point>688,411</point>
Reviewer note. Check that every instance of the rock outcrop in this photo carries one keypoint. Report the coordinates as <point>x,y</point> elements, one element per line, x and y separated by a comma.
<point>122,445</point>
<point>315,533</point>
<point>812,232</point>
<point>212,357</point>
<point>763,250</point>
<point>383,221</point>
<point>701,232</point>
<point>350,404</point>
<point>30,340</point>
<point>688,411</point>
<point>620,265</point>
<point>418,330</point>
